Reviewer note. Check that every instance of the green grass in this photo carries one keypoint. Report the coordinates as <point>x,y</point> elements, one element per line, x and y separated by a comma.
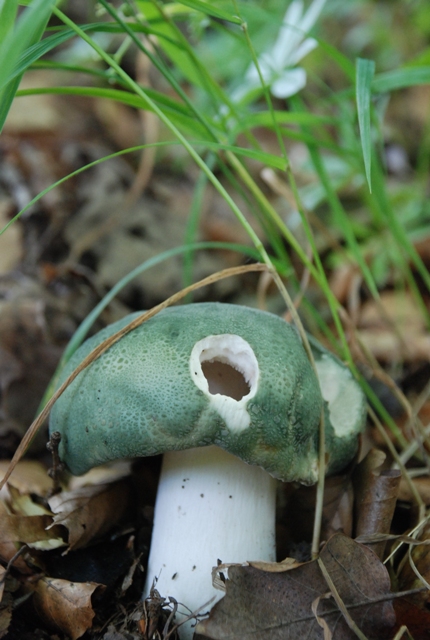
<point>202,51</point>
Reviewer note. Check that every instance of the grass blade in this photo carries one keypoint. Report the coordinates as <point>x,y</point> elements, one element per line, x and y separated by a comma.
<point>363,86</point>
<point>8,10</point>
<point>211,10</point>
<point>177,112</point>
<point>400,78</point>
<point>14,41</point>
<point>28,29</point>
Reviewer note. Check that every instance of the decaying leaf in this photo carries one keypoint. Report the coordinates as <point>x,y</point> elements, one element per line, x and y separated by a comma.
<point>23,529</point>
<point>8,586</point>
<point>90,511</point>
<point>393,328</point>
<point>26,529</point>
<point>24,505</point>
<point>422,485</point>
<point>27,360</point>
<point>278,606</point>
<point>66,605</point>
<point>386,345</point>
<point>8,549</point>
<point>29,476</point>
<point>376,493</point>
<point>275,567</point>
<point>321,621</point>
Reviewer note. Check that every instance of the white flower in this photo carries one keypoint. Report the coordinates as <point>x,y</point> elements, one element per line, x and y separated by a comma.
<point>278,65</point>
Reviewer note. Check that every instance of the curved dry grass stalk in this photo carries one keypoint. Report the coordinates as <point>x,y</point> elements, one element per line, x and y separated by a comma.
<point>101,348</point>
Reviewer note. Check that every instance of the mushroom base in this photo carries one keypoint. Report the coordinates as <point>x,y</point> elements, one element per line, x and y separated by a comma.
<point>210,506</point>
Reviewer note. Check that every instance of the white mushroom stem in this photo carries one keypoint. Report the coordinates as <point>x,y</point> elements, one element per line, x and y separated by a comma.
<point>210,506</point>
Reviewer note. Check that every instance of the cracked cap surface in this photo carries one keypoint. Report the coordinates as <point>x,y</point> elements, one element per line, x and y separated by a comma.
<point>139,398</point>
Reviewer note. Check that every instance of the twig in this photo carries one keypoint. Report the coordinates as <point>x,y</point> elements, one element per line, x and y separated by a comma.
<point>11,561</point>
<point>57,465</point>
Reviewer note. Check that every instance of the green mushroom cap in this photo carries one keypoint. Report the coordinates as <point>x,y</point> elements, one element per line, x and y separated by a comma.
<point>204,374</point>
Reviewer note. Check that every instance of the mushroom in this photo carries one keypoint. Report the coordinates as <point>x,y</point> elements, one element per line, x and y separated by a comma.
<point>228,395</point>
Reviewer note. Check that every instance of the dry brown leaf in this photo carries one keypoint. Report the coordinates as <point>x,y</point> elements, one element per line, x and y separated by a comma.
<point>26,529</point>
<point>8,587</point>
<point>322,623</point>
<point>422,485</point>
<point>376,492</point>
<point>27,361</point>
<point>276,567</point>
<point>66,605</point>
<point>386,346</point>
<point>28,477</point>
<point>25,521</point>
<point>90,511</point>
<point>394,328</point>
<point>30,530</point>
<point>278,606</point>
<point>121,238</point>
<point>8,549</point>
<point>22,504</point>
<point>396,307</point>
<point>345,282</point>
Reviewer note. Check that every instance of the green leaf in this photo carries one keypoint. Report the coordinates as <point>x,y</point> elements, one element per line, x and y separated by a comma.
<point>126,97</point>
<point>168,41</point>
<point>28,29</point>
<point>265,158</point>
<point>14,41</point>
<point>399,78</point>
<point>8,10</point>
<point>363,86</point>
<point>7,96</point>
<point>177,112</point>
<point>209,10</point>
<point>38,50</point>
<point>265,119</point>
<point>61,35</point>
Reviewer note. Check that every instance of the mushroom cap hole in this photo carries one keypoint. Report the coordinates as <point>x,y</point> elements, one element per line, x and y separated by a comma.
<point>223,378</point>
<point>225,365</point>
